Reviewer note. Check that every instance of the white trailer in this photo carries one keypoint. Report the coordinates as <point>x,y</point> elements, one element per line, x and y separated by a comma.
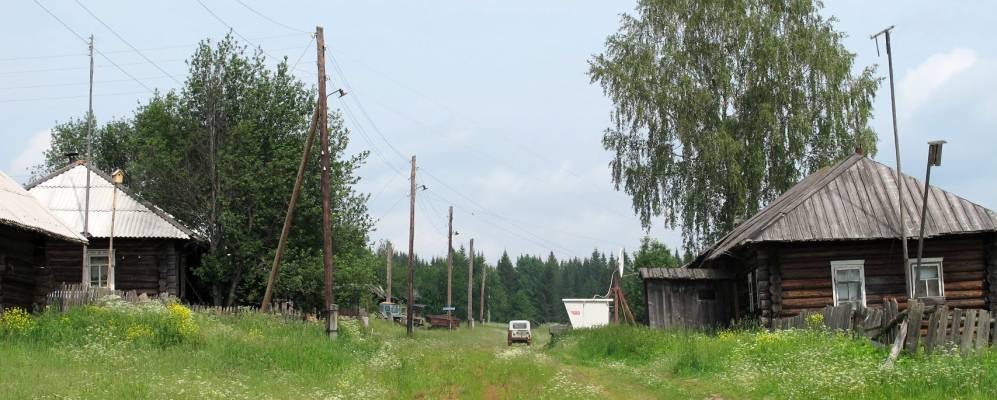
<point>587,313</point>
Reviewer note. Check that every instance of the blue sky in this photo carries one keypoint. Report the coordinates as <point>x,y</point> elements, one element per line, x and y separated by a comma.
<point>492,97</point>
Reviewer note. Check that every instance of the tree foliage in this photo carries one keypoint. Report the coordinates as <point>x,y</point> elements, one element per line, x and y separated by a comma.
<point>720,106</point>
<point>221,154</point>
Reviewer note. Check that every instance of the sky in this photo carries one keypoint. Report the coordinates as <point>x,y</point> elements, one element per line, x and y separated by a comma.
<point>491,96</point>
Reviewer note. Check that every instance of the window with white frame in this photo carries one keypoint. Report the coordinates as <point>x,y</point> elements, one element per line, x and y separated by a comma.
<point>927,279</point>
<point>97,268</point>
<point>848,281</point>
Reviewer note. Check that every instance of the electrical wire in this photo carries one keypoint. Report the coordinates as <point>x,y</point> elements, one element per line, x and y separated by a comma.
<point>264,16</point>
<point>84,40</point>
<point>69,97</point>
<point>68,84</point>
<point>126,42</point>
<point>84,68</point>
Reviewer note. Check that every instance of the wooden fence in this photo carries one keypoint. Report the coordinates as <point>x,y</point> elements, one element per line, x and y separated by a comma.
<point>70,296</point>
<point>929,328</point>
<point>283,309</point>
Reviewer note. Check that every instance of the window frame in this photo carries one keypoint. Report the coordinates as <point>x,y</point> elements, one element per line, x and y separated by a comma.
<point>838,265</point>
<point>91,253</point>
<point>911,268</point>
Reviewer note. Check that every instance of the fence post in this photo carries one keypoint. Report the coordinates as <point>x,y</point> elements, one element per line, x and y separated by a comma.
<point>968,329</point>
<point>983,332</point>
<point>914,314</point>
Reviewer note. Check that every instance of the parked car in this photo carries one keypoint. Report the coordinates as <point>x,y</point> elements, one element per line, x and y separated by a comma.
<point>519,331</point>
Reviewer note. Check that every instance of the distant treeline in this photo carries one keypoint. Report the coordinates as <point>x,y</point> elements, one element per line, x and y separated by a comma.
<point>531,287</point>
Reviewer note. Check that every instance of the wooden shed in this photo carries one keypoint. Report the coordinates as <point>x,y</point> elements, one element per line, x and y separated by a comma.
<point>834,238</point>
<point>26,230</point>
<point>688,298</point>
<point>152,251</point>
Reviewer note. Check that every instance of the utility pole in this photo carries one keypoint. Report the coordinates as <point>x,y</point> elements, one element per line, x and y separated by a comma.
<point>411,252</point>
<point>86,207</point>
<point>388,254</point>
<point>901,183</point>
<point>331,313</point>
<point>470,286</point>
<point>450,269</point>
<point>934,159</point>
<point>481,303</point>
<point>117,179</point>
<point>289,216</point>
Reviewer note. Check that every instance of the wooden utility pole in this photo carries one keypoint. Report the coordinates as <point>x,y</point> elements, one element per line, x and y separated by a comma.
<point>86,207</point>
<point>117,178</point>
<point>330,307</point>
<point>450,269</point>
<point>901,182</point>
<point>470,286</point>
<point>411,252</point>
<point>481,302</point>
<point>616,289</point>
<point>388,254</point>
<point>289,217</point>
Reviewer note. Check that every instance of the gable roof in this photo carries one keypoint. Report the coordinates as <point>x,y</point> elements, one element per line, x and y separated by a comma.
<point>20,210</point>
<point>64,193</point>
<point>855,199</point>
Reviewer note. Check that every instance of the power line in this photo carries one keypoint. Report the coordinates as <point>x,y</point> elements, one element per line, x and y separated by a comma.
<point>342,75</point>
<point>126,42</point>
<point>385,214</point>
<point>68,97</point>
<point>84,40</point>
<point>219,19</point>
<point>177,46</point>
<point>84,68</point>
<point>264,16</point>
<point>303,52</point>
<point>74,83</point>
<point>446,108</point>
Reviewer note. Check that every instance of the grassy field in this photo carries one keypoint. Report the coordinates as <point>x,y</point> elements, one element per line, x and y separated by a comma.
<point>126,351</point>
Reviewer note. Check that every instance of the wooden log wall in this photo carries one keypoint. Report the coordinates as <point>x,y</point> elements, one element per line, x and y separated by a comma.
<point>147,266</point>
<point>805,271</point>
<point>763,285</point>
<point>991,254</point>
<point>18,267</point>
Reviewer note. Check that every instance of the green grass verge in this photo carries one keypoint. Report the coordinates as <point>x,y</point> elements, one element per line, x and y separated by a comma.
<point>152,351</point>
<point>803,364</point>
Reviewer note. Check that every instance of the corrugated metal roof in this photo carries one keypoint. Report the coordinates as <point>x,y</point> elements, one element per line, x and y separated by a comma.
<point>684,273</point>
<point>855,199</point>
<point>64,193</point>
<point>21,210</point>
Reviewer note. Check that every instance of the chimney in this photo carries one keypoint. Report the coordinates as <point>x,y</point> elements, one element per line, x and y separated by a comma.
<point>859,150</point>
<point>72,156</point>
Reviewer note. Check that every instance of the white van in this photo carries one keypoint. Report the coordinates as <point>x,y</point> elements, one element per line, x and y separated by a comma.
<point>519,331</point>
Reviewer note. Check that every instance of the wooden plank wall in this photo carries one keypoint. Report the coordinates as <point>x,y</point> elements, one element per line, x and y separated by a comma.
<point>145,265</point>
<point>806,271</point>
<point>677,303</point>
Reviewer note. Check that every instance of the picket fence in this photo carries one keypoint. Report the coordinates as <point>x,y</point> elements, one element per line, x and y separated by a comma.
<point>928,328</point>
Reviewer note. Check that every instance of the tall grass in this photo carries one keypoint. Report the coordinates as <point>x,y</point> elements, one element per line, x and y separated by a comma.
<point>803,364</point>
<point>163,351</point>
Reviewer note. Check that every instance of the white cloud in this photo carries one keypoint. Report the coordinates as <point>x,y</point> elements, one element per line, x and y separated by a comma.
<point>32,155</point>
<point>923,81</point>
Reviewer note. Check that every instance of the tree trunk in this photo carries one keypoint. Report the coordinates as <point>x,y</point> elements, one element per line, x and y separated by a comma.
<point>236,276</point>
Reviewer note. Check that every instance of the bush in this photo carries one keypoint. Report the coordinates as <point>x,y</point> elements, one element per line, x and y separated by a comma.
<point>15,321</point>
<point>150,323</point>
